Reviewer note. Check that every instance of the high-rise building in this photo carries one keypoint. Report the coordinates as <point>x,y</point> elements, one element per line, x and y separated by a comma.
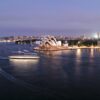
<point>98,42</point>
<point>98,35</point>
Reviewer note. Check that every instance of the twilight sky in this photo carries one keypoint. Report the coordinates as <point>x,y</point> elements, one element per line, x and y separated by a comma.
<point>70,16</point>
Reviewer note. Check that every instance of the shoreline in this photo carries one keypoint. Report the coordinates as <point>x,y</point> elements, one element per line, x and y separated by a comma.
<point>68,48</point>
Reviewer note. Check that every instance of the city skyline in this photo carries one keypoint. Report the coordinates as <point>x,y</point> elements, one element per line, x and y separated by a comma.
<point>74,17</point>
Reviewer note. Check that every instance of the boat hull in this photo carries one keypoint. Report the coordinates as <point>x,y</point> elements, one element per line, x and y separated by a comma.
<point>24,57</point>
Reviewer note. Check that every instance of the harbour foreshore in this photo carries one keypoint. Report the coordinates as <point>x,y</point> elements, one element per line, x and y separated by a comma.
<point>66,48</point>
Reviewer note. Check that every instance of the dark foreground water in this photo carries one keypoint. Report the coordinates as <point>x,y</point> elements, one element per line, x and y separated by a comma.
<point>62,75</point>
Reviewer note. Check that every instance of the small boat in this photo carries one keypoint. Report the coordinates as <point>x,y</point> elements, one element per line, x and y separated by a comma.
<point>24,55</point>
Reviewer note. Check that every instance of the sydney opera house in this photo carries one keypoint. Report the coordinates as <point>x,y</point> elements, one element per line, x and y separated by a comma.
<point>50,43</point>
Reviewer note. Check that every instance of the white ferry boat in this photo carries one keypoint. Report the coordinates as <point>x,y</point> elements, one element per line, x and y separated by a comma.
<point>24,55</point>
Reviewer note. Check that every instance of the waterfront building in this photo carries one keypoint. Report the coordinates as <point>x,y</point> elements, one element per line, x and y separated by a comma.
<point>50,43</point>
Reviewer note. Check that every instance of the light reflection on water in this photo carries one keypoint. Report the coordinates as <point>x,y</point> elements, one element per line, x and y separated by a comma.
<point>24,67</point>
<point>85,61</point>
<point>78,53</point>
<point>92,53</point>
<point>56,54</point>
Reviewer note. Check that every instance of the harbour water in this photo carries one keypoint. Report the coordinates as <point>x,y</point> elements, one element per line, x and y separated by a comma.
<point>58,75</point>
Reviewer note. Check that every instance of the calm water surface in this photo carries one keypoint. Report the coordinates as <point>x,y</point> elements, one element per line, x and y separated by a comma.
<point>64,75</point>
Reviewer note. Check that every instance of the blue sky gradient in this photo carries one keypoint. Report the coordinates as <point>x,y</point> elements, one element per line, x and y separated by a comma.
<point>70,16</point>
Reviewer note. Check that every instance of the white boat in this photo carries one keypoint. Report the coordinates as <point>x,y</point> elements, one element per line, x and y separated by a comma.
<point>24,55</point>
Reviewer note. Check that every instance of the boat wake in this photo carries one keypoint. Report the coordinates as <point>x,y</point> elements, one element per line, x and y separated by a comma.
<point>31,87</point>
<point>1,58</point>
<point>17,81</point>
